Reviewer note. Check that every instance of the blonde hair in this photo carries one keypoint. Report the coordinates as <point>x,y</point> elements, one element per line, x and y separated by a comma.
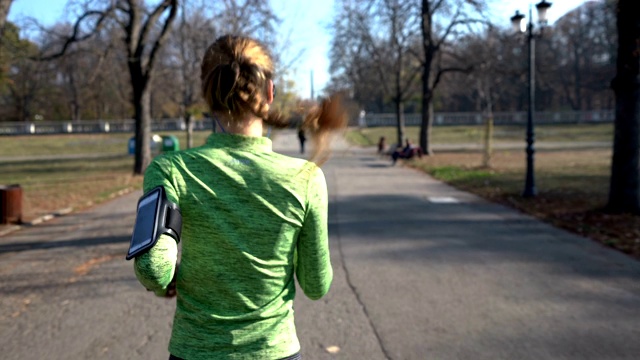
<point>235,73</point>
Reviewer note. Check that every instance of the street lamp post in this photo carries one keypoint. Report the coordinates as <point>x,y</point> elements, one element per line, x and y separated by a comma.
<point>518,25</point>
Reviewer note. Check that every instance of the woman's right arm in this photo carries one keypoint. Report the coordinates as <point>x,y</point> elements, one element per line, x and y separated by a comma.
<point>313,265</point>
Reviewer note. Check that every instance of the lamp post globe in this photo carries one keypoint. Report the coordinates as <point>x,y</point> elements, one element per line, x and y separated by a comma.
<point>517,22</point>
<point>542,7</point>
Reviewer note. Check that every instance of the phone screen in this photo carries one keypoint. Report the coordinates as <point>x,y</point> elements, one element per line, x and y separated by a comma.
<point>144,229</point>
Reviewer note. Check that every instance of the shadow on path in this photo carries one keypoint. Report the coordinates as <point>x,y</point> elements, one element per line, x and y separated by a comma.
<point>408,228</point>
<point>86,242</point>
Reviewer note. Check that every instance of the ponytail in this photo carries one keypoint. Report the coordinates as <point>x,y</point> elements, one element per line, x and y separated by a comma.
<point>323,121</point>
<point>235,73</point>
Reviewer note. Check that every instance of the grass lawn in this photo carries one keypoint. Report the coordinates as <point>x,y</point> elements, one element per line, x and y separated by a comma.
<point>572,185</point>
<point>65,144</point>
<point>54,185</point>
<point>51,185</point>
<point>475,134</point>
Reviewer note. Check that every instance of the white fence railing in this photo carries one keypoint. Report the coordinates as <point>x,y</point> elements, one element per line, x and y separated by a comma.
<point>499,118</point>
<point>369,120</point>
<point>95,126</point>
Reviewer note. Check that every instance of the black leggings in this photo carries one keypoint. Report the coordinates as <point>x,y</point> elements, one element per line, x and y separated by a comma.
<point>292,357</point>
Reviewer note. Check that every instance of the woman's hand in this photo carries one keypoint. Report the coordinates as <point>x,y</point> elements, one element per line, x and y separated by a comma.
<point>171,288</point>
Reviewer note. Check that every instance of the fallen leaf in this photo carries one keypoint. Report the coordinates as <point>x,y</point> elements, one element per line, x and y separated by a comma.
<point>333,349</point>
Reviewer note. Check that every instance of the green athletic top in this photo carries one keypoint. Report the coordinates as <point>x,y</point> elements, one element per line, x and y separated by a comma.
<point>251,219</point>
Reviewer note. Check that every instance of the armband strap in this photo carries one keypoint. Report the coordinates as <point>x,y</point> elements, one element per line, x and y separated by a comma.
<point>156,215</point>
<point>173,220</point>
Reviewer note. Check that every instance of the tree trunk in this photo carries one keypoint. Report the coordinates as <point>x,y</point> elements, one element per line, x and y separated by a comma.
<point>142,115</point>
<point>74,104</point>
<point>624,192</point>
<point>488,140</point>
<point>427,91</point>
<point>23,106</point>
<point>189,123</point>
<point>75,110</point>
<point>427,120</point>
<point>488,131</point>
<point>577,84</point>
<point>400,122</point>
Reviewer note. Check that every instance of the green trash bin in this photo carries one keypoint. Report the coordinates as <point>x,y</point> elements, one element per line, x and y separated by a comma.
<point>156,145</point>
<point>170,143</point>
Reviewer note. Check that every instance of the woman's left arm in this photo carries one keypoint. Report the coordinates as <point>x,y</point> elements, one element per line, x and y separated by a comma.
<point>156,268</point>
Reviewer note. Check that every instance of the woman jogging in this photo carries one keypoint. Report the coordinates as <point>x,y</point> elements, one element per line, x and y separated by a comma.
<point>251,218</point>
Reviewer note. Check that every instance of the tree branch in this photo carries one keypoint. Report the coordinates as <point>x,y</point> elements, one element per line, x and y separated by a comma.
<point>412,78</point>
<point>373,50</point>
<point>173,4</point>
<point>75,36</point>
<point>454,22</point>
<point>151,21</point>
<point>441,72</point>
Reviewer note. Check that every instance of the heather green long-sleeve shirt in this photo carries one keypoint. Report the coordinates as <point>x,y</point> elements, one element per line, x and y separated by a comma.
<point>251,219</point>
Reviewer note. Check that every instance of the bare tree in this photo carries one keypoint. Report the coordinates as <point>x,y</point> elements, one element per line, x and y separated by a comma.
<point>248,17</point>
<point>624,192</point>
<point>188,44</point>
<point>481,51</point>
<point>143,44</point>
<point>404,69</point>
<point>576,61</point>
<point>25,88</point>
<point>27,79</point>
<point>402,40</point>
<point>582,57</point>
<point>348,61</point>
<point>145,31</point>
<point>77,71</point>
<point>441,21</point>
<point>378,37</point>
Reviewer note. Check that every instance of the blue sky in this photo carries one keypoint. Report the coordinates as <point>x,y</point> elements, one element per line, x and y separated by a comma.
<point>304,21</point>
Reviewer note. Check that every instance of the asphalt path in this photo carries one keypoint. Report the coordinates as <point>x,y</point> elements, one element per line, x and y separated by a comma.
<point>422,271</point>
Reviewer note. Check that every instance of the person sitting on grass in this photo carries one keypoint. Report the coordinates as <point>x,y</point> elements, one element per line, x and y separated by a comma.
<point>408,152</point>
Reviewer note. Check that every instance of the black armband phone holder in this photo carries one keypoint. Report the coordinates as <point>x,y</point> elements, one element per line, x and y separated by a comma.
<point>156,215</point>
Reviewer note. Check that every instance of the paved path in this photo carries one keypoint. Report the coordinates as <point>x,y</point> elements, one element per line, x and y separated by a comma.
<point>422,271</point>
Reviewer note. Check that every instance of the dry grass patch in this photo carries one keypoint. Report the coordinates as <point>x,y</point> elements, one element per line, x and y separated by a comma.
<point>49,186</point>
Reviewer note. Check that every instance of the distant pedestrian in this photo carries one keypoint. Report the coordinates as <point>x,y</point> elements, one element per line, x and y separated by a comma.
<point>382,145</point>
<point>302,138</point>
